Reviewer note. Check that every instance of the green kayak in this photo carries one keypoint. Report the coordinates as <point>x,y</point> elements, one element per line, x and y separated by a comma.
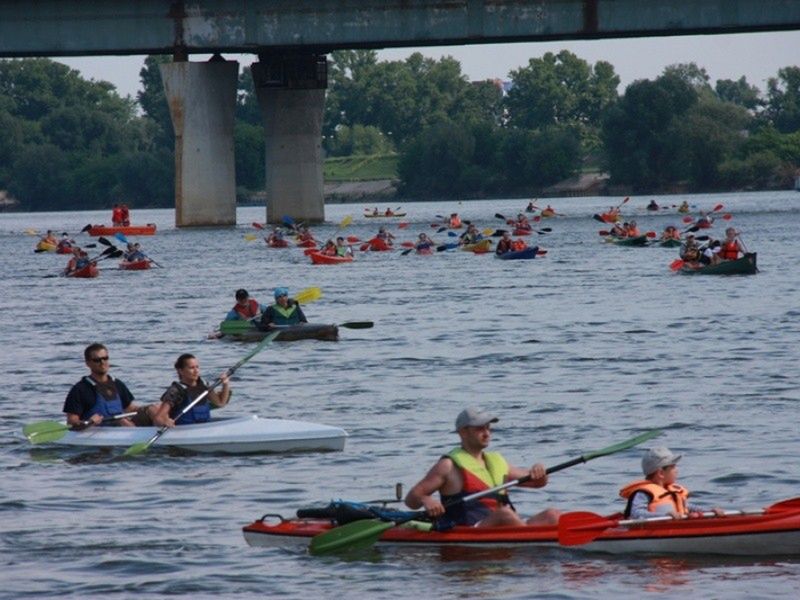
<point>639,240</point>
<point>247,331</point>
<point>741,266</point>
<point>669,243</point>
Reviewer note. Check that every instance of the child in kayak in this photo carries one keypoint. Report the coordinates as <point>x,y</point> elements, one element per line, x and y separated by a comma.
<point>658,494</point>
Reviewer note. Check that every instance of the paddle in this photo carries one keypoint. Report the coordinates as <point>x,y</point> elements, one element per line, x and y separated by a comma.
<point>597,217</point>
<point>249,237</point>
<point>677,264</point>
<point>43,432</point>
<point>257,225</point>
<point>727,217</point>
<point>445,247</point>
<point>40,250</point>
<point>142,447</point>
<point>86,228</point>
<point>357,325</point>
<point>366,532</point>
<point>582,527</point>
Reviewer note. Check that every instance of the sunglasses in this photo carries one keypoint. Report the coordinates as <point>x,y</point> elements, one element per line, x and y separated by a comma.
<point>99,359</point>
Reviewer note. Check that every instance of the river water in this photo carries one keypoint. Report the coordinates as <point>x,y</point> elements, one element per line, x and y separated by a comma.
<point>584,348</point>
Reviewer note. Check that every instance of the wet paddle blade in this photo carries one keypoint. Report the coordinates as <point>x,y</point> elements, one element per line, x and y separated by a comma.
<point>121,237</point>
<point>137,449</point>
<point>357,325</point>
<point>676,265</point>
<point>345,222</point>
<point>355,534</point>
<point>635,441</point>
<point>35,432</point>
<point>308,295</point>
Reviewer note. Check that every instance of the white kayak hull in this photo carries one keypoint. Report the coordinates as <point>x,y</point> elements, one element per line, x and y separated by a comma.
<point>242,435</point>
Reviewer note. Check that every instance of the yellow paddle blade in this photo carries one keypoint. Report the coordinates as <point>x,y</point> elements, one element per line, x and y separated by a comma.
<point>30,231</point>
<point>308,295</point>
<point>250,236</point>
<point>345,222</point>
<point>487,231</point>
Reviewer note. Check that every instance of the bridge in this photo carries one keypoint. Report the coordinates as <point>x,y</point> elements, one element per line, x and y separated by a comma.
<point>291,39</point>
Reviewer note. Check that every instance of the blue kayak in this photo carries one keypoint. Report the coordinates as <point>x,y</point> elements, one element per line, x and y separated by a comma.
<point>526,254</point>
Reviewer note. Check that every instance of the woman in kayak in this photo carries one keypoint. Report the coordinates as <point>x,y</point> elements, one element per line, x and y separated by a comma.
<point>246,308</point>
<point>182,392</point>
<point>469,468</point>
<point>670,233</point>
<point>731,245</point>
<point>329,249</point>
<point>658,495</point>
<point>286,311</point>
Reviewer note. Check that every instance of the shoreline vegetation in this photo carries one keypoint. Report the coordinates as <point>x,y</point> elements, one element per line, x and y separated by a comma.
<point>415,129</point>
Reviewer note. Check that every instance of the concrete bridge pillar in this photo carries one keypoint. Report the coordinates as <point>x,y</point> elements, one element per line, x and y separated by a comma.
<point>291,94</point>
<point>202,103</point>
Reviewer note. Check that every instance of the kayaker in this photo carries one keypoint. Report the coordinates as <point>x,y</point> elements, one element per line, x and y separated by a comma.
<point>329,249</point>
<point>188,387</point>
<point>49,238</point>
<point>658,495</point>
<point>135,253</point>
<point>343,249</point>
<point>275,237</point>
<point>618,230</point>
<point>469,468</point>
<point>285,311</point>
<point>125,215</point>
<point>384,235</point>
<point>116,215</point>
<point>246,308</point>
<point>98,395</point>
<point>78,261</point>
<point>454,222</point>
<point>670,233</point>
<point>530,208</point>
<point>504,244</point>
<point>731,245</point>
<point>689,250</point>
<point>471,235</point>
<point>632,229</point>
<point>65,243</point>
<point>424,242</point>
<point>389,212</point>
<point>522,223</point>
<point>684,207</point>
<point>705,220</point>
<point>652,206</point>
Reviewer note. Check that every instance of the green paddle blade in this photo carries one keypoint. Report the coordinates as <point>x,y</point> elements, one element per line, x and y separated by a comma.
<point>136,449</point>
<point>357,325</point>
<point>357,534</point>
<point>236,327</point>
<point>44,431</point>
<point>648,435</point>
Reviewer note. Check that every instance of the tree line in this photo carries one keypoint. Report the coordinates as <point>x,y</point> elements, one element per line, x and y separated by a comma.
<point>72,143</point>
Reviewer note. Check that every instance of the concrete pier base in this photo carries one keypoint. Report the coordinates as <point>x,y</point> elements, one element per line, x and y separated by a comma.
<point>202,103</point>
<point>291,94</point>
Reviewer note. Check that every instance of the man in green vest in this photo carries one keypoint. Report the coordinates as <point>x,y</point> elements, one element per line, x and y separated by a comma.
<point>470,468</point>
<point>286,311</point>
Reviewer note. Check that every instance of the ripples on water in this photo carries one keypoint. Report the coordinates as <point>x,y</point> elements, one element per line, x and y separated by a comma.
<point>574,352</point>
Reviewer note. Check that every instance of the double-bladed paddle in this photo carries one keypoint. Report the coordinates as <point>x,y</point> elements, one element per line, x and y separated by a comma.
<point>143,447</point>
<point>366,532</point>
<point>43,432</point>
<point>581,527</point>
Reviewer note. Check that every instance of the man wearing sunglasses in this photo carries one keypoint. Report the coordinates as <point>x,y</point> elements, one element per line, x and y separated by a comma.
<point>97,398</point>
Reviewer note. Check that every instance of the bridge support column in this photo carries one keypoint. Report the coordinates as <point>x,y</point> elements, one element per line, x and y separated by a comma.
<point>202,103</point>
<point>291,94</point>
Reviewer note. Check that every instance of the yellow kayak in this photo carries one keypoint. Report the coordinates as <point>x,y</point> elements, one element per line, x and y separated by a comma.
<point>478,247</point>
<point>43,246</point>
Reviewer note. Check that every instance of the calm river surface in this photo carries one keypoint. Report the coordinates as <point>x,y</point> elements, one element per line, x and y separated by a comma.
<point>584,348</point>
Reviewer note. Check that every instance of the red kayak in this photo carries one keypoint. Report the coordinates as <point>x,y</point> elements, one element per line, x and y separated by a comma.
<point>135,265</point>
<point>86,272</point>
<point>307,244</point>
<point>277,243</point>
<point>149,229</point>
<point>521,231</point>
<point>773,531</point>
<point>64,249</point>
<point>323,259</point>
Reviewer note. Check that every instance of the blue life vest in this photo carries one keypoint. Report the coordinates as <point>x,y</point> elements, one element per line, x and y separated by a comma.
<point>102,406</point>
<point>199,413</point>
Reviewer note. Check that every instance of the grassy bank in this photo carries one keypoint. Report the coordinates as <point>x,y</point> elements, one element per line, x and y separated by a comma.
<point>360,168</point>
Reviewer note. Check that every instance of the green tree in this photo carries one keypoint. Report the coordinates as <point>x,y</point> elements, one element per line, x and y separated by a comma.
<point>783,100</point>
<point>739,92</point>
<point>153,101</point>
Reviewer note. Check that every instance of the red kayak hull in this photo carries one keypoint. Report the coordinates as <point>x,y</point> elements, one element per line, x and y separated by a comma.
<point>522,231</point>
<point>307,244</point>
<point>774,533</point>
<point>149,229</point>
<point>136,265</point>
<point>324,259</point>
<point>277,243</point>
<point>86,272</point>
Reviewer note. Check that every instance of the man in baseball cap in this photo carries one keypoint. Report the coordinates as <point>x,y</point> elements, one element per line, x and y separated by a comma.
<point>469,468</point>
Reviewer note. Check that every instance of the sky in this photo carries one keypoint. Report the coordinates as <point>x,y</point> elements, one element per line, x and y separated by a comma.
<point>757,56</point>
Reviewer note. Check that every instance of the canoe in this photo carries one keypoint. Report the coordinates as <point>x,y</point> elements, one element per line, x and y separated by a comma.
<point>745,265</point>
<point>247,331</point>
<point>673,243</point>
<point>323,259</point>
<point>134,265</point>
<point>43,246</point>
<point>86,272</point>
<point>525,254</point>
<point>384,216</point>
<point>239,435</point>
<point>149,229</point>
<point>478,247</point>
<point>639,240</point>
<point>769,534</point>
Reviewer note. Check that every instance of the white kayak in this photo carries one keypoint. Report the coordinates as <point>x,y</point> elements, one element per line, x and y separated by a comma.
<point>240,435</point>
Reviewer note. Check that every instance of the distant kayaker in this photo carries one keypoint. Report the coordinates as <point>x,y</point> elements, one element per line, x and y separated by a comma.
<point>658,494</point>
<point>285,311</point>
<point>704,221</point>
<point>343,249</point>
<point>471,235</point>
<point>670,233</point>
<point>522,223</point>
<point>49,238</point>
<point>98,395</point>
<point>504,244</point>
<point>65,244</point>
<point>275,237</point>
<point>304,235</point>
<point>469,468</point>
<point>424,242</point>
<point>731,246</point>
<point>188,387</point>
<point>684,207</point>
<point>632,230</point>
<point>653,205</point>
<point>384,235</point>
<point>454,222</point>
<point>78,261</point>
<point>125,214</point>
<point>329,249</point>
<point>246,308</point>
<point>530,208</point>
<point>116,215</point>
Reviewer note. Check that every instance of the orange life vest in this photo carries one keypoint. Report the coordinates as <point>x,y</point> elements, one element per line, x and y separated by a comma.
<point>729,251</point>
<point>250,311</point>
<point>673,495</point>
<point>455,222</point>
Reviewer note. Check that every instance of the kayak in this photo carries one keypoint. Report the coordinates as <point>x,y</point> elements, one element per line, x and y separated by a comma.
<point>149,229</point>
<point>249,332</point>
<point>307,244</point>
<point>277,243</point>
<point>43,246</point>
<point>65,249</point>
<point>607,217</point>
<point>323,259</point>
<point>426,251</point>
<point>524,254</point>
<point>703,224</point>
<point>376,245</point>
<point>384,216</point>
<point>86,272</point>
<point>521,231</point>
<point>639,240</point>
<point>672,243</point>
<point>134,265</point>
<point>547,213</point>
<point>480,247</point>
<point>769,534</point>
<point>239,435</point>
<point>745,265</point>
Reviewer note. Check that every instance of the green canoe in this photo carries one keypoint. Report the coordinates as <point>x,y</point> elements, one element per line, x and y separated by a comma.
<point>741,266</point>
<point>639,240</point>
<point>669,243</point>
<point>247,331</point>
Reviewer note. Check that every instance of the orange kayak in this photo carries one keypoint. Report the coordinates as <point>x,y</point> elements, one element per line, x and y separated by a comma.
<point>323,259</point>
<point>149,229</point>
<point>86,272</point>
<point>135,265</point>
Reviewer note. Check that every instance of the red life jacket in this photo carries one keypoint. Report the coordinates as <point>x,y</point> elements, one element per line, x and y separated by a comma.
<point>250,311</point>
<point>729,251</point>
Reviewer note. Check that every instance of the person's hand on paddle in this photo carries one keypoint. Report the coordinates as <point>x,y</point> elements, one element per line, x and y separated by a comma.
<point>538,475</point>
<point>432,506</point>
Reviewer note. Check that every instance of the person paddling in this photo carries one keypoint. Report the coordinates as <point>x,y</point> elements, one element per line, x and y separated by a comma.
<point>343,249</point>
<point>246,308</point>
<point>49,238</point>
<point>731,245</point>
<point>65,244</point>
<point>183,391</point>
<point>79,260</point>
<point>659,494</point>
<point>286,311</point>
<point>469,468</point>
